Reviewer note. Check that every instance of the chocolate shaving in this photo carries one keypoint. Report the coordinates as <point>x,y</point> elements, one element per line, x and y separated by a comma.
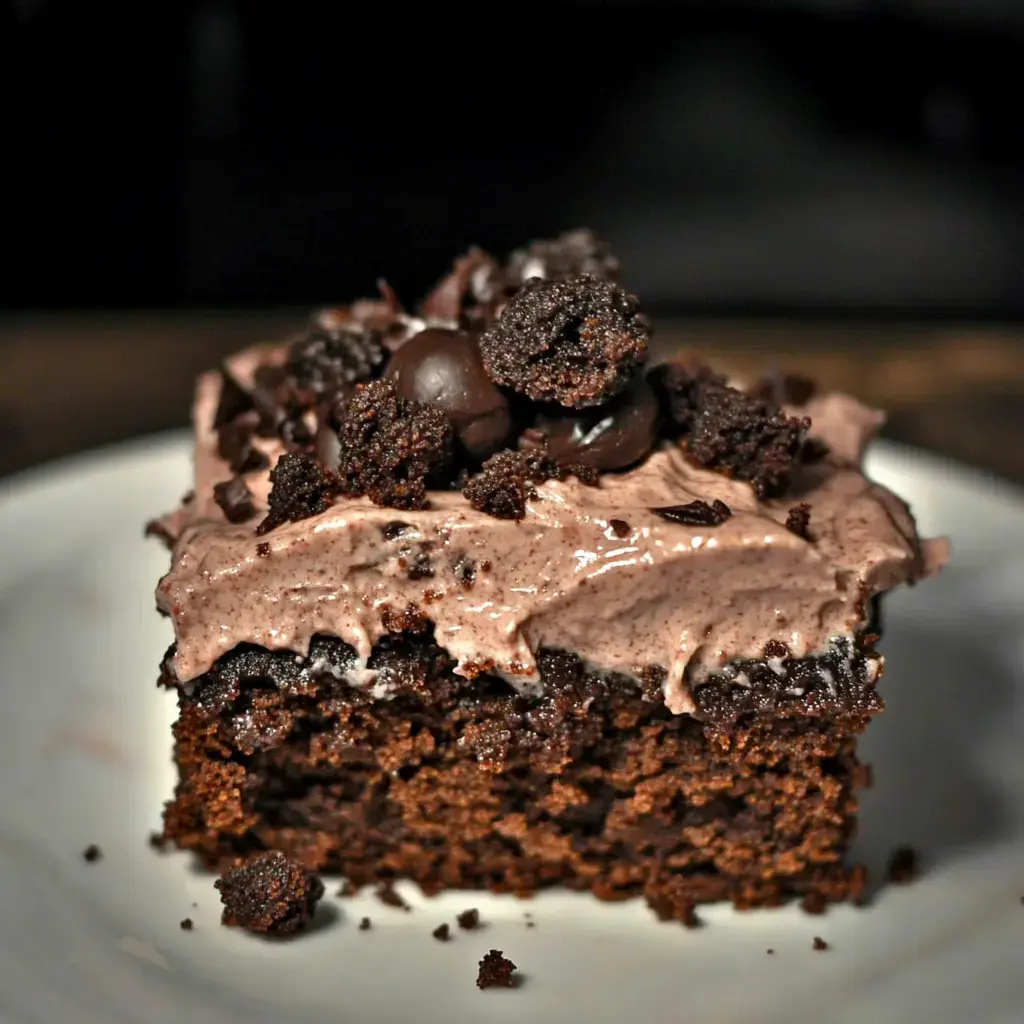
<point>696,513</point>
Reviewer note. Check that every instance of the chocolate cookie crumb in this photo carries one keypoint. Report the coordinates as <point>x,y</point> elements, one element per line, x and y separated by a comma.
<point>365,924</point>
<point>504,486</point>
<point>820,944</point>
<point>495,971</point>
<point>233,402</point>
<point>798,520</point>
<point>770,952</point>
<point>620,528</point>
<point>326,359</point>
<point>234,499</point>
<point>263,549</point>
<point>300,488</point>
<point>814,903</point>
<point>390,446</point>
<point>530,924</point>
<point>903,865</point>
<point>666,910</point>
<point>92,853</point>
<point>389,897</point>
<point>469,919</point>
<point>442,933</point>
<point>577,342</point>
<point>186,924</point>
<point>157,841</point>
<point>269,894</point>
<point>695,513</point>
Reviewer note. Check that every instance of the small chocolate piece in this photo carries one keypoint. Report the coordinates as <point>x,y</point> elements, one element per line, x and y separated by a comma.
<point>325,360</point>
<point>233,402</point>
<point>442,933</point>
<point>365,924</point>
<point>469,920</point>
<point>390,446</point>
<point>903,865</point>
<point>464,570</point>
<point>386,893</point>
<point>444,368</point>
<point>235,445</point>
<point>785,389</point>
<point>576,252</point>
<point>394,529</point>
<point>577,342</point>
<point>620,528</point>
<point>157,841</point>
<point>820,945</point>
<point>234,499</point>
<point>776,649</point>
<point>300,488</point>
<point>466,286</point>
<point>798,520</point>
<point>607,437</point>
<point>92,853</point>
<point>814,903</point>
<point>504,486</point>
<point>770,952</point>
<point>496,972</point>
<point>696,513</point>
<point>416,560</point>
<point>186,924</point>
<point>269,894</point>
<point>263,549</point>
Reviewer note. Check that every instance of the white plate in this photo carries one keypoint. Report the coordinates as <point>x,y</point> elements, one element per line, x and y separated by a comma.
<point>84,757</point>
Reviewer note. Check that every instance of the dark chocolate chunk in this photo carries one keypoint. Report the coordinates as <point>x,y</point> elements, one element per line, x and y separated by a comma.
<point>620,528</point>
<point>798,520</point>
<point>233,402</point>
<point>235,445</point>
<point>576,342</point>
<point>442,933</point>
<point>300,488</point>
<point>394,529</point>
<point>469,919</point>
<point>234,499</point>
<point>730,430</point>
<point>444,368</point>
<point>186,924</point>
<point>92,853</point>
<point>495,971</point>
<point>819,944</point>
<point>467,285</point>
<point>903,865</point>
<point>390,446</point>
<point>695,513</point>
<point>269,894</point>
<point>325,360</point>
<point>607,437</point>
<point>576,252</point>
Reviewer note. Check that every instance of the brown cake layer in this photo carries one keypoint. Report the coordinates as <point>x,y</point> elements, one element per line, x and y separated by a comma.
<point>465,784</point>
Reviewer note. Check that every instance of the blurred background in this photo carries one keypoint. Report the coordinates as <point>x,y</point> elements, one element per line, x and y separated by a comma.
<point>813,176</point>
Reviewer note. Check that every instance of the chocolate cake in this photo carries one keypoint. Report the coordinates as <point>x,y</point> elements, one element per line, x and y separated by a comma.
<point>474,595</point>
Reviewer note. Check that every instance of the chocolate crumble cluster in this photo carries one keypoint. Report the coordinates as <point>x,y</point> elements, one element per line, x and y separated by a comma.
<point>510,373</point>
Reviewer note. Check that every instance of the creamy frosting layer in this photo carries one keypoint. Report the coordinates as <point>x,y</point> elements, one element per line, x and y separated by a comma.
<point>624,597</point>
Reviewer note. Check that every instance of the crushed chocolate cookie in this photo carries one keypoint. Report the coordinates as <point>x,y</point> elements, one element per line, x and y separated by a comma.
<point>504,486</point>
<point>569,255</point>
<point>92,853</point>
<point>394,529</point>
<point>390,898</point>
<point>269,894</point>
<point>235,446</point>
<point>903,865</point>
<point>263,549</point>
<point>464,571</point>
<point>300,488</point>
<point>390,446</point>
<point>729,430</point>
<point>620,528</point>
<point>469,920</point>
<point>234,499</point>
<point>326,359</point>
<point>785,389</point>
<point>496,971</point>
<point>798,520</point>
<point>695,513</point>
<point>819,944</point>
<point>365,924</point>
<point>186,924</point>
<point>442,933</point>
<point>775,649</point>
<point>233,402</point>
<point>577,342</point>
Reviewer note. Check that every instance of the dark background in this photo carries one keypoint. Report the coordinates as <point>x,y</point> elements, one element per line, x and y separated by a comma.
<point>830,157</point>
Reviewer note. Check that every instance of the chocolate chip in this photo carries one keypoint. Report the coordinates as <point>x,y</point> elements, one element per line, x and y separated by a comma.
<point>696,513</point>
<point>576,342</point>
<point>444,368</point>
<point>798,520</point>
<point>186,924</point>
<point>233,402</point>
<point>324,360</point>
<point>234,499</point>
<point>300,488</point>
<point>442,933</point>
<point>607,437</point>
<point>390,446</point>
<point>469,920</point>
<point>819,944</point>
<point>620,528</point>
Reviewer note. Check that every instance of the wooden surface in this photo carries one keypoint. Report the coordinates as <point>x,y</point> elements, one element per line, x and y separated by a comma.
<point>71,382</point>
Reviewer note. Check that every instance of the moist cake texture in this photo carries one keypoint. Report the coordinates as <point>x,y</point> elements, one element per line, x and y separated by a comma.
<point>474,596</point>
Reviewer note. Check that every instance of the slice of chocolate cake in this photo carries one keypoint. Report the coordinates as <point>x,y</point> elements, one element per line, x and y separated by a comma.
<point>478,598</point>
